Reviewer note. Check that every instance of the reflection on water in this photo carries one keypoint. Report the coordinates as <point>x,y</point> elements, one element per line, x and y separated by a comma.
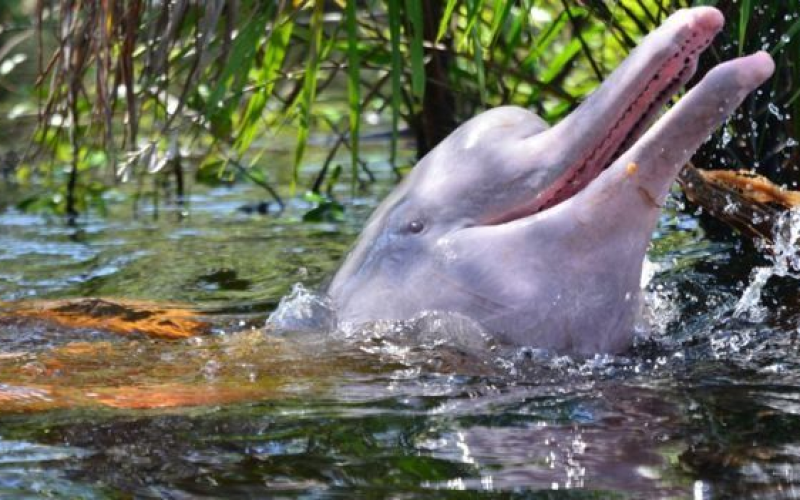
<point>707,406</point>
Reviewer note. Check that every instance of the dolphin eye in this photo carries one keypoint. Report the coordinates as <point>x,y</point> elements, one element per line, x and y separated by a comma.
<point>415,226</point>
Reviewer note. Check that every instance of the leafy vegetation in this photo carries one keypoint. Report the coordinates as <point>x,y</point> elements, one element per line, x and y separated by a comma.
<point>763,134</point>
<point>160,91</point>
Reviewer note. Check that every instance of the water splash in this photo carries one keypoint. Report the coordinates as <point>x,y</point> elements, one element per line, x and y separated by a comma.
<point>661,309</point>
<point>303,310</point>
<point>785,262</point>
<point>726,136</point>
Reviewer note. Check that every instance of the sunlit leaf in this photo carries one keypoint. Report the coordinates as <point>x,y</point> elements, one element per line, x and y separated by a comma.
<point>308,94</point>
<point>274,56</point>
<point>499,17</point>
<point>445,21</point>
<point>557,65</point>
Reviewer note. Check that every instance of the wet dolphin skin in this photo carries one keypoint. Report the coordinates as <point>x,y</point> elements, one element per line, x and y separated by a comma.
<point>538,234</point>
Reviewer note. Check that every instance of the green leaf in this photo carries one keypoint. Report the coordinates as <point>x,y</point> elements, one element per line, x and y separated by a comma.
<point>473,14</point>
<point>309,91</point>
<point>545,41</point>
<point>234,76</point>
<point>478,54</point>
<point>353,86</point>
<point>744,20</point>
<point>445,22</point>
<point>326,209</point>
<point>210,172</point>
<point>501,11</point>
<point>332,179</point>
<point>566,55</point>
<point>397,71</point>
<point>274,56</point>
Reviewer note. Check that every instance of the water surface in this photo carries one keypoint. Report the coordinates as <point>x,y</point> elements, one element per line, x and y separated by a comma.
<point>707,407</point>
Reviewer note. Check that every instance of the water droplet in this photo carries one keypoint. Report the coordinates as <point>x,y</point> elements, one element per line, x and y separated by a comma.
<point>774,110</point>
<point>785,262</point>
<point>726,137</point>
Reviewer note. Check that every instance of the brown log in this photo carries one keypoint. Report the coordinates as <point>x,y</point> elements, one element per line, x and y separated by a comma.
<point>748,202</point>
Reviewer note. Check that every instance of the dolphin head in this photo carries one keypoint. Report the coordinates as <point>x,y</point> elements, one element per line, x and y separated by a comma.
<point>539,233</point>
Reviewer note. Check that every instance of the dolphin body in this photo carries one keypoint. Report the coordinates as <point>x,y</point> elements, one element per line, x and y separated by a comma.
<point>538,234</point>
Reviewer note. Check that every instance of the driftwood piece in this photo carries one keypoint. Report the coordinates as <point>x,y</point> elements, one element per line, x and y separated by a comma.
<point>748,202</point>
<point>123,317</point>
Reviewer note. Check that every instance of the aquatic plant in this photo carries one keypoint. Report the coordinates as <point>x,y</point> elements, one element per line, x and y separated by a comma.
<point>209,88</point>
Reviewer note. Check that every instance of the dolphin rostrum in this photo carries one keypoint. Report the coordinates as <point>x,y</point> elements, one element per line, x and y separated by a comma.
<point>536,233</point>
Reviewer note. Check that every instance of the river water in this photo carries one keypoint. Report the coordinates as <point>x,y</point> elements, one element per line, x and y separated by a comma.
<point>707,405</point>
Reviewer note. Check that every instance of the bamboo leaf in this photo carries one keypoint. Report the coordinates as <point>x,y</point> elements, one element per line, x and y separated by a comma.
<point>274,56</point>
<point>309,91</point>
<point>445,22</point>
<point>473,14</point>
<point>561,60</point>
<point>544,42</point>
<point>353,85</point>
<point>397,71</point>
<point>475,36</point>
<point>744,20</point>
<point>234,76</point>
<point>479,68</point>
<point>501,12</point>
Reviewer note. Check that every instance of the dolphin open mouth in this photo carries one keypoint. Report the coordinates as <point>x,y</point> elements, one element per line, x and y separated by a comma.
<point>645,90</point>
<point>579,200</point>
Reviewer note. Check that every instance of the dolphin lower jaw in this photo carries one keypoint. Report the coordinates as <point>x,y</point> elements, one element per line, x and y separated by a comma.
<point>667,146</point>
<point>564,274</point>
<point>676,65</point>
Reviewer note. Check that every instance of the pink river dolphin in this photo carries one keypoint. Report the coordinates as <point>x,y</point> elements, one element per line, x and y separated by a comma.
<point>539,233</point>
